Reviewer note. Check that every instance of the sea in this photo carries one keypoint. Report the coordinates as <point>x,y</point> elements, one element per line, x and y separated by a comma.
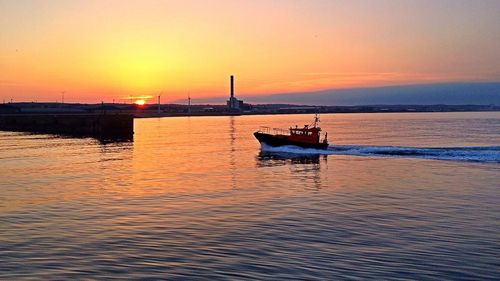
<point>397,196</point>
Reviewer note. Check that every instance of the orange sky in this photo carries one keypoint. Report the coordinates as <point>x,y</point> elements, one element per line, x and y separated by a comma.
<point>104,49</point>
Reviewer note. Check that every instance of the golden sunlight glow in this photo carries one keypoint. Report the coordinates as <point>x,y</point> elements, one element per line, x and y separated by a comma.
<point>140,102</point>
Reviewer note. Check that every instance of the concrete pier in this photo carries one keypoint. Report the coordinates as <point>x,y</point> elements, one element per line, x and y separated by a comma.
<point>101,126</point>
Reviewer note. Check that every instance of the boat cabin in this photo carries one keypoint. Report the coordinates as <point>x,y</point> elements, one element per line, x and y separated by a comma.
<point>306,134</point>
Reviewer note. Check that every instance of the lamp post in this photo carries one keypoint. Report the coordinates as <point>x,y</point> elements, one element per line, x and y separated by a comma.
<point>159,108</point>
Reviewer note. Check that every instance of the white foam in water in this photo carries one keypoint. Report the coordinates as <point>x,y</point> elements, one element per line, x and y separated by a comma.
<point>476,154</point>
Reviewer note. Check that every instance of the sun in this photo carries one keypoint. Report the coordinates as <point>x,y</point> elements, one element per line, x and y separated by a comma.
<point>140,102</point>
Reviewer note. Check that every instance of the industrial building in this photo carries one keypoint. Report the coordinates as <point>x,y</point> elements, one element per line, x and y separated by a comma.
<point>233,103</point>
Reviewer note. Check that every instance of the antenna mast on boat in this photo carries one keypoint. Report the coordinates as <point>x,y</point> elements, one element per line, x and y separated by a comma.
<point>316,120</point>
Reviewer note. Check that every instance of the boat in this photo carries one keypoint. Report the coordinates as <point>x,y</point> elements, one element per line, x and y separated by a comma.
<point>307,137</point>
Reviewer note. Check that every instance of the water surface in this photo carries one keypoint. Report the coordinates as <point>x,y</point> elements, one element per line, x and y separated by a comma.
<point>397,196</point>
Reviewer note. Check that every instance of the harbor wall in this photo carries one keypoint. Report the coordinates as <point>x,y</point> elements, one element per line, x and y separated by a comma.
<point>92,125</point>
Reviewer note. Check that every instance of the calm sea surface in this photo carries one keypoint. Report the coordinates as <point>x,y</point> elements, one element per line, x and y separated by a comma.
<point>397,196</point>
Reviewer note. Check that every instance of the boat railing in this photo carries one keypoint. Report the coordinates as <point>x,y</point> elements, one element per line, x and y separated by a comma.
<point>274,131</point>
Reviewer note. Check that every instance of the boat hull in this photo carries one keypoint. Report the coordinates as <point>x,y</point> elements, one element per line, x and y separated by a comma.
<point>278,140</point>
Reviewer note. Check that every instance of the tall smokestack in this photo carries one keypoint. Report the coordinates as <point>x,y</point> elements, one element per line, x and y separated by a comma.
<point>232,86</point>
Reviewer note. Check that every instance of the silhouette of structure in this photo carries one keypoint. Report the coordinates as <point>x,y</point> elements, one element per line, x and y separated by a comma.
<point>233,104</point>
<point>159,104</point>
<point>101,126</point>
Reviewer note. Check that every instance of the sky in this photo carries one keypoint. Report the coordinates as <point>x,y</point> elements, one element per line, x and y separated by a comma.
<point>105,50</point>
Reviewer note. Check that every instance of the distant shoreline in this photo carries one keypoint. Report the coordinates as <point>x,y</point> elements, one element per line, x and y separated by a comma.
<point>180,110</point>
<point>156,115</point>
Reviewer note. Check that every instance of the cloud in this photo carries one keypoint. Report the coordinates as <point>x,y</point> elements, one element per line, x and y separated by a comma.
<point>8,83</point>
<point>434,93</point>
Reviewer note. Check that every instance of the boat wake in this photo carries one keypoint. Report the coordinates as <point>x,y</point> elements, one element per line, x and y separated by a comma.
<point>473,154</point>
